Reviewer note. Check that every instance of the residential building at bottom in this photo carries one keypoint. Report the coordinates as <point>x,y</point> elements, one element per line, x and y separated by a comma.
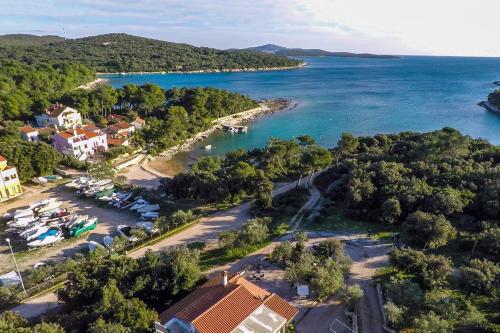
<point>10,187</point>
<point>228,303</point>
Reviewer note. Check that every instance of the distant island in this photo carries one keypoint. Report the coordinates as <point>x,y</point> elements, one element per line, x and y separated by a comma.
<point>298,52</point>
<point>119,53</point>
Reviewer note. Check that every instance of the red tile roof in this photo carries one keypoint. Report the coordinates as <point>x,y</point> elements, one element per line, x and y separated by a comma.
<point>79,131</point>
<point>55,110</point>
<point>123,125</point>
<point>227,314</point>
<point>2,159</point>
<point>281,307</point>
<point>91,128</point>
<point>214,308</point>
<point>139,120</point>
<point>116,141</point>
<point>27,129</point>
<point>115,116</point>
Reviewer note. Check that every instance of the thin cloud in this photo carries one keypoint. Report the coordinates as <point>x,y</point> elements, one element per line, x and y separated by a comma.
<point>465,27</point>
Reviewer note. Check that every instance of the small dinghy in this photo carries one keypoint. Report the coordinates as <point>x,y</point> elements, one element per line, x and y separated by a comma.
<point>83,227</point>
<point>51,206</point>
<point>50,237</point>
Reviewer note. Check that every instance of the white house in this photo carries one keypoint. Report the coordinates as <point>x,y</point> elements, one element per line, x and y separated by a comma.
<point>29,133</point>
<point>60,116</point>
<point>81,143</point>
<point>123,128</point>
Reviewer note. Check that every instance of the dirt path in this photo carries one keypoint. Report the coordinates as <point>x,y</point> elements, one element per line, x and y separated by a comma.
<point>137,175</point>
<point>368,256</point>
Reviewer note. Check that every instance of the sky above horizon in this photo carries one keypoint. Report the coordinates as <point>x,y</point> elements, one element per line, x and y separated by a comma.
<point>426,27</point>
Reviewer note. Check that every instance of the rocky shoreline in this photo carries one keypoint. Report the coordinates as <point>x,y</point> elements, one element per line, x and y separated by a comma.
<point>488,106</point>
<point>266,107</point>
<point>229,70</point>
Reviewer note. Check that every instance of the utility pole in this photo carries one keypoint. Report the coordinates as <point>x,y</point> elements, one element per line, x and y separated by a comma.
<point>15,261</point>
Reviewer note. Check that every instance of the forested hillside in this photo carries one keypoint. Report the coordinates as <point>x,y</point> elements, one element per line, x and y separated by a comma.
<point>441,192</point>
<point>26,89</point>
<point>126,53</point>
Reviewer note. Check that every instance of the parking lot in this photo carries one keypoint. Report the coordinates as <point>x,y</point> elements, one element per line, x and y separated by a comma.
<point>108,220</point>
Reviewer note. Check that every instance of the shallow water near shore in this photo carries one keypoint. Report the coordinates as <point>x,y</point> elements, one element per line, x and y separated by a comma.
<point>362,96</point>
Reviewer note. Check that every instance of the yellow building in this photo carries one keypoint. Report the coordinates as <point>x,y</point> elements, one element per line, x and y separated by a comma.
<point>10,187</point>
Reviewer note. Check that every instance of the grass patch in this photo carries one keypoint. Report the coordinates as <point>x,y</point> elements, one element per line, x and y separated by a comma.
<point>221,256</point>
<point>333,219</point>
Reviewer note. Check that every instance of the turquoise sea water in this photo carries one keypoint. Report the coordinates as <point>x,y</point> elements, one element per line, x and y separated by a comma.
<point>362,96</point>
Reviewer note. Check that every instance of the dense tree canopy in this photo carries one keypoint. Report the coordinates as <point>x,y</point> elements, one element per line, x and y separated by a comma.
<point>241,174</point>
<point>26,89</point>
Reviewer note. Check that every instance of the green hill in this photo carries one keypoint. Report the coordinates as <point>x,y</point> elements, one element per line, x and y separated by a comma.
<point>28,40</point>
<point>125,53</point>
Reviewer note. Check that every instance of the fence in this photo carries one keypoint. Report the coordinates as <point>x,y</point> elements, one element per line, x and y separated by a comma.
<point>381,304</point>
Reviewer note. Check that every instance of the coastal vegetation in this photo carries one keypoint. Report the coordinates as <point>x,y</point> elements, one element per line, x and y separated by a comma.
<point>27,89</point>
<point>32,159</point>
<point>113,53</point>
<point>242,174</point>
<point>172,115</point>
<point>441,191</point>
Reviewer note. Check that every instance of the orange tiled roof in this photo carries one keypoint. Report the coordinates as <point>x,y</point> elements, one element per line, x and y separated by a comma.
<point>2,159</point>
<point>139,120</point>
<point>91,128</point>
<point>213,308</point>
<point>27,129</point>
<point>123,125</point>
<point>227,314</point>
<point>79,131</point>
<point>281,307</point>
<point>115,141</point>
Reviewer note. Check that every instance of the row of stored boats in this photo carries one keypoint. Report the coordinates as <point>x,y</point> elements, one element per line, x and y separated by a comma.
<point>104,190</point>
<point>45,222</point>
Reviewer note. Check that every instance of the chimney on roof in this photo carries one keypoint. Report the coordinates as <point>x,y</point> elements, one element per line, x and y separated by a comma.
<point>224,278</point>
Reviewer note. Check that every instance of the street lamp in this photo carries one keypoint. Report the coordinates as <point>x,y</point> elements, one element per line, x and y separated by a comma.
<point>17,267</point>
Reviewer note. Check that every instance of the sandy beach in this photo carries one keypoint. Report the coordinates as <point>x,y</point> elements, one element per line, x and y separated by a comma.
<point>166,165</point>
<point>93,84</point>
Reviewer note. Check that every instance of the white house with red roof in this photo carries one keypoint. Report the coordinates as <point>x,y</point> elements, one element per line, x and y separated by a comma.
<point>61,116</point>
<point>81,143</point>
<point>29,133</point>
<point>123,128</point>
<point>228,303</point>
